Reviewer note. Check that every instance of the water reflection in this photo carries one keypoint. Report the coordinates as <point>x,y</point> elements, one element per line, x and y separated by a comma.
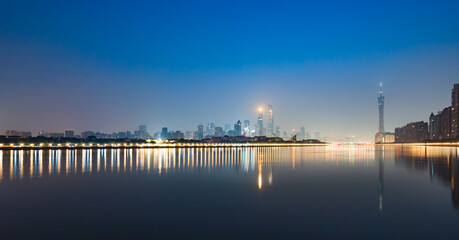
<point>439,162</point>
<point>19,164</point>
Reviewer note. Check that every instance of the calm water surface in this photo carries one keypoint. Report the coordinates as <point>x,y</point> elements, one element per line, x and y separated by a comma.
<point>360,192</point>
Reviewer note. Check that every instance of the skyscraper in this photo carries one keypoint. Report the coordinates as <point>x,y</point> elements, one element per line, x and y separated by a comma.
<point>260,127</point>
<point>200,134</point>
<point>270,130</point>
<point>219,132</point>
<point>247,128</point>
<point>302,134</point>
<point>164,133</point>
<point>381,109</point>
<point>227,128</point>
<point>238,128</point>
<point>142,132</point>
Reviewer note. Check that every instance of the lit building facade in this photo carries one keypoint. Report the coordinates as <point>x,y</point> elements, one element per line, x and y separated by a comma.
<point>270,119</point>
<point>260,127</point>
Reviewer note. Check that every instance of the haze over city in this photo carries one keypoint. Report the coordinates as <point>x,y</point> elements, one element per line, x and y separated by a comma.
<point>111,66</point>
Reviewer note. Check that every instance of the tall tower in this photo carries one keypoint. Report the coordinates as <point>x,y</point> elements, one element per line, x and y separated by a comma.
<point>270,130</point>
<point>381,109</point>
<point>260,122</point>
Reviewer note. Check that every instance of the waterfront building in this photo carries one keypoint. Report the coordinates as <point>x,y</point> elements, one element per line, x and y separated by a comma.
<point>270,119</point>
<point>277,134</point>
<point>412,132</point>
<point>455,111</point>
<point>440,125</point>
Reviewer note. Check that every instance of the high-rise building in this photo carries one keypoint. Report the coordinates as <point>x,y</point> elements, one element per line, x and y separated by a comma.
<point>210,129</point>
<point>277,131</point>
<point>270,118</point>
<point>302,134</point>
<point>247,128</point>
<point>142,132</point>
<point>164,133</point>
<point>69,133</point>
<point>381,109</point>
<point>260,128</point>
<point>238,128</point>
<point>412,132</point>
<point>219,132</point>
<point>200,133</point>
<point>177,135</point>
<point>455,111</point>
<point>440,125</point>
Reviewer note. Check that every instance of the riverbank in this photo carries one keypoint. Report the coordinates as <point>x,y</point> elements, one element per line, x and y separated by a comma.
<point>433,144</point>
<point>177,145</point>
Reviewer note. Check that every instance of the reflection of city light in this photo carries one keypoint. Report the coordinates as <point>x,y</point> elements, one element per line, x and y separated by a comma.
<point>270,179</point>
<point>259,181</point>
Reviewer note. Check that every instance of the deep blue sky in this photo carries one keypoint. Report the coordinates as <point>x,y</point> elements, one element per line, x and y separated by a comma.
<point>111,65</point>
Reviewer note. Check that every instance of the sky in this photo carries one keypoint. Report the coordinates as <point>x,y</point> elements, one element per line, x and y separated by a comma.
<point>112,65</point>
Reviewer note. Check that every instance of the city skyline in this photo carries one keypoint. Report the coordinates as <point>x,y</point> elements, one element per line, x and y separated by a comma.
<point>157,63</point>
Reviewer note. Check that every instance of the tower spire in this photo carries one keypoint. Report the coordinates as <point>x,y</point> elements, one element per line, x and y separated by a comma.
<point>381,108</point>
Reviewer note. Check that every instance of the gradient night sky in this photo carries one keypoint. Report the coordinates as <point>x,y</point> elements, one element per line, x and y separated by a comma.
<point>110,66</point>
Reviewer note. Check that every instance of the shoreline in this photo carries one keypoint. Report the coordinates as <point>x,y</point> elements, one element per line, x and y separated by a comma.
<point>422,144</point>
<point>152,146</point>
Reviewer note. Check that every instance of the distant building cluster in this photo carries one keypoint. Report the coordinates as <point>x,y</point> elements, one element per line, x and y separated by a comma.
<point>140,133</point>
<point>238,129</point>
<point>264,127</point>
<point>442,126</point>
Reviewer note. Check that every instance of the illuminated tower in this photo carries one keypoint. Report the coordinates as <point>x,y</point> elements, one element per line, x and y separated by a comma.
<point>260,122</point>
<point>381,109</point>
<point>270,130</point>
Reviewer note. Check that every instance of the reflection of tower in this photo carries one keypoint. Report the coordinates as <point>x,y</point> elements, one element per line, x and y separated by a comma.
<point>260,122</point>
<point>380,157</point>
<point>381,109</point>
<point>270,112</point>
<point>454,181</point>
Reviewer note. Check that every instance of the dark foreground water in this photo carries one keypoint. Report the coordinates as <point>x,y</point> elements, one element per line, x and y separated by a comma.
<point>357,192</point>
